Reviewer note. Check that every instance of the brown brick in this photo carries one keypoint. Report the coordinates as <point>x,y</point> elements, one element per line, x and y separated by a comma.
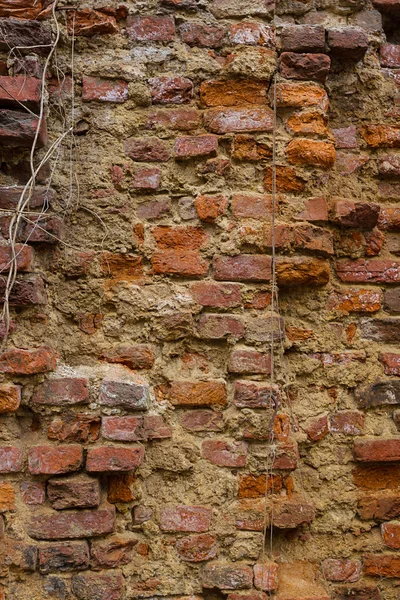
<point>266,576</point>
<point>382,565</point>
<point>136,357</point>
<point>287,180</point>
<point>171,90</point>
<point>292,272</point>
<point>215,327</point>
<point>147,149</point>
<point>132,394</point>
<point>311,152</point>
<point>392,300</point>
<point>248,361</point>
<point>201,34</point>
<point>391,534</point>
<point>88,23</point>
<point>301,95</point>
<point>78,491</point>
<point>7,497</point>
<point>74,427</point>
<point>348,43</point>
<point>305,67</point>
<point>98,586</point>
<point>356,300</point>
<point>252,394</point>
<point>113,551</point>
<point>63,557</point>
<point>255,486</point>
<point>244,267</point>
<point>348,422</point>
<point>303,38</point>
<point>18,129</point>
<point>391,363</point>
<point>197,393</point>
<point>179,119</point>
<point>226,576</point>
<point>10,398</point>
<point>381,136</point>
<point>232,93</point>
<point>209,208</point>
<point>382,330</point>
<point>225,454</point>
<point>250,33</point>
<point>355,214</point>
<point>33,492</point>
<point>217,295</point>
<point>380,393</point>
<point>379,506</point>
<point>195,146</point>
<point>202,420</point>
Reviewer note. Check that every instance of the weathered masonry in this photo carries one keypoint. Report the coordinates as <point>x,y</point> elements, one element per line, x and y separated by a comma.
<point>200,296</point>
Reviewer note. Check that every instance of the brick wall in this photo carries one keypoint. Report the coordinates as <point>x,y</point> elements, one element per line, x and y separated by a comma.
<point>144,444</point>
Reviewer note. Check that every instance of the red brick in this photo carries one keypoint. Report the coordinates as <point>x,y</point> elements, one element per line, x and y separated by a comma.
<point>243,267</point>
<point>246,147</point>
<point>266,576</point>
<point>55,525</point>
<point>74,427</point>
<point>226,576</point>
<point>252,394</point>
<point>132,429</point>
<point>7,497</point>
<point>89,23</point>
<point>391,534</point>
<point>348,422</point>
<point>335,569</point>
<point>10,398</point>
<point>314,67</point>
<point>147,149</point>
<point>27,362</point>
<point>248,361</point>
<point>64,557</point>
<point>356,301</point>
<point>150,28</point>
<point>104,90</point>
<point>375,271</point>
<point>215,327</point>
<point>315,209</point>
<point>137,356</point>
<point>196,519</point>
<point>110,458</point>
<point>317,428</point>
<point>10,459</point>
<point>348,43</point>
<point>377,450</point>
<point>201,34</point>
<point>389,166</point>
<point>18,129</point>
<point>33,492</point>
<point>311,152</point>
<point>229,120</point>
<point>381,136</point>
<point>197,548</point>
<point>210,208</point>
<point>171,90</point>
<point>382,565</point>
<point>391,363</point>
<point>345,137</point>
<point>54,460</point>
<point>390,56</point>
<point>196,146</point>
<point>305,123</point>
<point>250,33</point>
<point>98,586</point>
<point>232,93</point>
<point>180,237</point>
<point>389,218</point>
<point>42,230</point>
<point>301,95</point>
<point>10,196</point>
<point>132,394</point>
<point>180,119</point>
<point>217,295</point>
<point>202,420</point>
<point>20,90</point>
<point>253,206</point>
<point>355,214</point>
<point>379,393</point>
<point>62,392</point>
<point>303,38</point>
<point>23,254</point>
<point>225,454</point>
<point>78,491</point>
<point>358,592</point>
<point>147,179</point>
<point>379,506</point>
<point>300,580</point>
